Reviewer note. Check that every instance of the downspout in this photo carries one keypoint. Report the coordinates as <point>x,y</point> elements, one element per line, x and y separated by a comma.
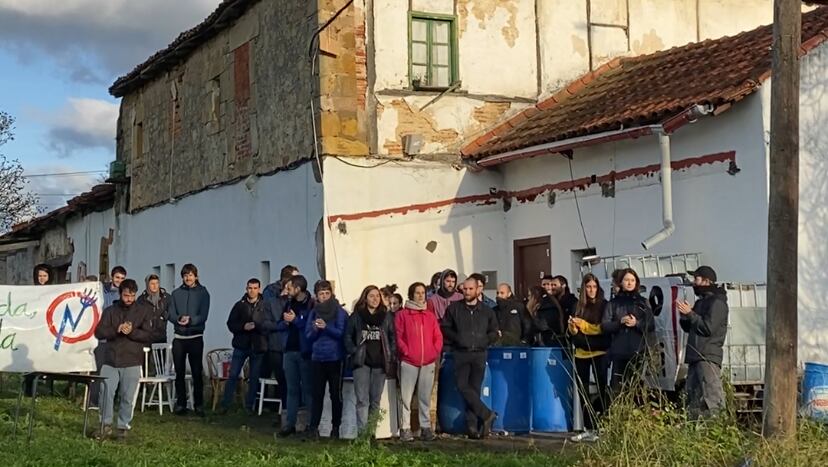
<point>663,132</point>
<point>666,193</point>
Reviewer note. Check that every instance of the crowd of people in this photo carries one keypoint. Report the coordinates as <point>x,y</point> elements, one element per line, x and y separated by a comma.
<point>305,338</point>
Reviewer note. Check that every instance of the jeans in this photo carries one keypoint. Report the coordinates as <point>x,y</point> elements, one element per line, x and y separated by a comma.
<point>125,380</point>
<point>470,367</point>
<point>299,384</point>
<point>705,395</point>
<point>421,378</point>
<point>597,368</point>
<point>327,374</point>
<point>191,350</point>
<point>273,366</point>
<point>236,367</point>
<point>369,383</point>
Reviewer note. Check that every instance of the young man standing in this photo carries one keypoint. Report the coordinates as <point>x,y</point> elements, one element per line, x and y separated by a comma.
<point>296,350</point>
<point>111,289</point>
<point>249,342</point>
<point>157,300</point>
<point>189,307</point>
<point>471,327</point>
<point>706,324</point>
<point>446,294</point>
<point>275,290</point>
<point>126,327</point>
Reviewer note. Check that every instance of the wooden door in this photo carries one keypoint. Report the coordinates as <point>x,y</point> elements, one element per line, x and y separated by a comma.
<point>532,262</point>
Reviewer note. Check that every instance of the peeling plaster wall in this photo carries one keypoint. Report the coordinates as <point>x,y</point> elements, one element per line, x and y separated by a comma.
<point>384,249</point>
<point>86,232</point>
<point>227,232</point>
<point>723,217</point>
<point>240,104</point>
<point>813,214</point>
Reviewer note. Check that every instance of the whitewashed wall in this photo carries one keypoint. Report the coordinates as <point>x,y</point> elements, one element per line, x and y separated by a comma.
<point>723,217</point>
<point>85,232</point>
<point>227,232</point>
<point>813,213</point>
<point>391,248</point>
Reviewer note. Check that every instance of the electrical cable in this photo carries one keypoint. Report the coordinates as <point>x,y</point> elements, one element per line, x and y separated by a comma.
<point>577,204</point>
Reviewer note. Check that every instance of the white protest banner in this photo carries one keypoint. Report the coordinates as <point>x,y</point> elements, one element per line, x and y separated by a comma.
<point>49,328</point>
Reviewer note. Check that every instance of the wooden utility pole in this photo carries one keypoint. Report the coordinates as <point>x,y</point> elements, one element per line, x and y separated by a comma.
<point>779,418</point>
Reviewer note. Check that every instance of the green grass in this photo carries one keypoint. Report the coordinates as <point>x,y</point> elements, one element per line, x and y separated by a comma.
<point>232,440</point>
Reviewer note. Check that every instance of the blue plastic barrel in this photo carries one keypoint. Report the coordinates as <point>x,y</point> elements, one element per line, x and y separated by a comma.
<point>815,391</point>
<point>451,408</point>
<point>511,388</point>
<point>551,390</point>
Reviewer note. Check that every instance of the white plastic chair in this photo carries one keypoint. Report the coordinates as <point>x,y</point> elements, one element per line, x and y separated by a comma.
<point>263,384</point>
<point>161,379</point>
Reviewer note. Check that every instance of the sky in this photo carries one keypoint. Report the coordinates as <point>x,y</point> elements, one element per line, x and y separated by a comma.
<point>57,61</point>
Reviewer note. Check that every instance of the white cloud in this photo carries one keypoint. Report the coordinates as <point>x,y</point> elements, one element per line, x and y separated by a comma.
<point>70,185</point>
<point>96,40</point>
<point>82,124</point>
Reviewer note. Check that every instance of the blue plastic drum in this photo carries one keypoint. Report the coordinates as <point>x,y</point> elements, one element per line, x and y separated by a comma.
<point>551,390</point>
<point>815,391</point>
<point>511,388</point>
<point>451,408</point>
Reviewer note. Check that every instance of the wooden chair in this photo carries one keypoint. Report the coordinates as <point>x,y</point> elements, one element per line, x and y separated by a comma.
<point>218,368</point>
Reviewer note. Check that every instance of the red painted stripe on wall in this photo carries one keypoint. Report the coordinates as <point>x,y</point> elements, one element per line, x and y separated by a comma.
<point>530,194</point>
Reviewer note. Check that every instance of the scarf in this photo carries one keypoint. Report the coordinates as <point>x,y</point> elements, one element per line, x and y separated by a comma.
<point>412,305</point>
<point>327,311</point>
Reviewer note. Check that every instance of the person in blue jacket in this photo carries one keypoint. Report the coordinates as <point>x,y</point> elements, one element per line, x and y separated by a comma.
<point>296,356</point>
<point>325,329</point>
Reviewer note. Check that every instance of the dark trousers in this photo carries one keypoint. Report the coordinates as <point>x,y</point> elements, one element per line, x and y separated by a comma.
<point>330,374</point>
<point>272,366</point>
<point>191,350</point>
<point>596,367</point>
<point>469,368</point>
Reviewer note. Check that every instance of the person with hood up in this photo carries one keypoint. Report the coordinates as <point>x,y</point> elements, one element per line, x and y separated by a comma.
<point>246,322</point>
<point>157,300</point>
<point>434,285</point>
<point>446,294</point>
<point>372,351</point>
<point>706,324</point>
<point>513,319</point>
<point>325,329</point>
<point>419,343</point>
<point>628,319</point>
<point>188,311</point>
<point>590,353</point>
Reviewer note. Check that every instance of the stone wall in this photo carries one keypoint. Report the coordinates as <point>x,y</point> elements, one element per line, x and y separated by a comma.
<point>239,105</point>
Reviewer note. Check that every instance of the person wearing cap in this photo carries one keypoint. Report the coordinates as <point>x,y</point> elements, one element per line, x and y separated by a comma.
<point>706,325</point>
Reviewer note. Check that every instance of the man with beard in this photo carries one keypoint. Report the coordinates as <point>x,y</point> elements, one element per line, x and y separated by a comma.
<point>706,324</point>
<point>446,294</point>
<point>512,317</point>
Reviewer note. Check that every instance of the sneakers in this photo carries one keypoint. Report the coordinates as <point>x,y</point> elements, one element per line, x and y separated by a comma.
<point>585,437</point>
<point>122,433</point>
<point>286,432</point>
<point>487,424</point>
<point>406,436</point>
<point>426,434</point>
<point>474,435</point>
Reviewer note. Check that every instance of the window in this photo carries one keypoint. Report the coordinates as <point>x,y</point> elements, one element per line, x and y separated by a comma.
<point>265,273</point>
<point>168,280</point>
<point>432,56</point>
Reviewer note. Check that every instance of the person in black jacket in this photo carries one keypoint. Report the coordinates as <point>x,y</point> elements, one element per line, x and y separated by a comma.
<point>471,327</point>
<point>567,300</point>
<point>629,320</point>
<point>512,318</point>
<point>249,342</point>
<point>273,361</point>
<point>706,324</point>
<point>371,347</point>
<point>157,300</point>
<point>126,327</point>
<point>548,319</point>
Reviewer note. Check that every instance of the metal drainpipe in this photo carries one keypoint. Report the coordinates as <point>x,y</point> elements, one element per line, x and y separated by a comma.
<point>666,193</point>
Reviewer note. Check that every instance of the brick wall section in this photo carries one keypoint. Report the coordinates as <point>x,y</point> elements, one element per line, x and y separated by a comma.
<point>361,54</point>
<point>241,100</point>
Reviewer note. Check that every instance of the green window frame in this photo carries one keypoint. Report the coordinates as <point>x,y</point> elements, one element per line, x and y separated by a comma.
<point>432,50</point>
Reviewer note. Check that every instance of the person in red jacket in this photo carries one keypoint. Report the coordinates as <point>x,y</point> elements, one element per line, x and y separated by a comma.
<point>419,343</point>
